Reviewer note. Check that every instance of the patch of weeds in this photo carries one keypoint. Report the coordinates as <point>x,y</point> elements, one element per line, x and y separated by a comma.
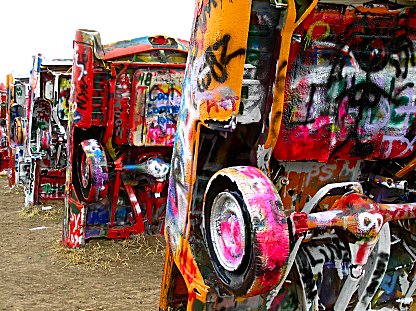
<point>35,211</point>
<point>110,254</point>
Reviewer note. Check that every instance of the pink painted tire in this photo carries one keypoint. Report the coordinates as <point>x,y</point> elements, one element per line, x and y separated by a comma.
<point>245,232</point>
<point>92,171</point>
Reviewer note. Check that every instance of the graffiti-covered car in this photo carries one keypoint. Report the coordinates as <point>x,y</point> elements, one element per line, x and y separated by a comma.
<point>16,106</point>
<point>4,152</point>
<point>44,134</point>
<point>292,176</point>
<point>124,106</point>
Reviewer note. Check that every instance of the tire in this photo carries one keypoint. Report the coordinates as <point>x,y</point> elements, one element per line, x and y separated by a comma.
<point>92,171</point>
<point>248,242</point>
<point>233,268</point>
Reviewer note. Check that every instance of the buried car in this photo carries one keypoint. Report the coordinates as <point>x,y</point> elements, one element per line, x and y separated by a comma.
<point>123,112</point>
<point>292,179</point>
<point>43,131</point>
<point>16,105</point>
<point>4,152</point>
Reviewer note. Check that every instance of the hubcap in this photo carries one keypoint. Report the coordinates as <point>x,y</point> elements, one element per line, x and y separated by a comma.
<point>227,229</point>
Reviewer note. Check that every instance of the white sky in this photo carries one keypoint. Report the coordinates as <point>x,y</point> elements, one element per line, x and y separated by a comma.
<point>29,27</point>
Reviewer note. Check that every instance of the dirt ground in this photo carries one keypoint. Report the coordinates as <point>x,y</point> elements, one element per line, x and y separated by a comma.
<point>37,273</point>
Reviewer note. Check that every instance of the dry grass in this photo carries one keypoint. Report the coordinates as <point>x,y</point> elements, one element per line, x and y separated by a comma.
<point>98,253</point>
<point>110,254</point>
<point>38,274</point>
<point>56,213</point>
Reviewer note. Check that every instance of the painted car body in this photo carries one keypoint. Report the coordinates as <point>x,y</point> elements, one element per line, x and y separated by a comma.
<point>4,152</point>
<point>297,124</point>
<point>16,104</point>
<point>124,105</point>
<point>39,131</point>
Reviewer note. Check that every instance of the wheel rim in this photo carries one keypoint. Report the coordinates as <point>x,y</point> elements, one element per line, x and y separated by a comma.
<point>227,228</point>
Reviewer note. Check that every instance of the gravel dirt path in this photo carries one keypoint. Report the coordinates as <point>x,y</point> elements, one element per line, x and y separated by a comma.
<point>36,273</point>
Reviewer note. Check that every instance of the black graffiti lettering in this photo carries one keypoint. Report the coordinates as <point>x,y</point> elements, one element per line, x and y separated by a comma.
<point>376,42</point>
<point>82,96</point>
<point>370,43</point>
<point>144,78</point>
<point>216,68</point>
